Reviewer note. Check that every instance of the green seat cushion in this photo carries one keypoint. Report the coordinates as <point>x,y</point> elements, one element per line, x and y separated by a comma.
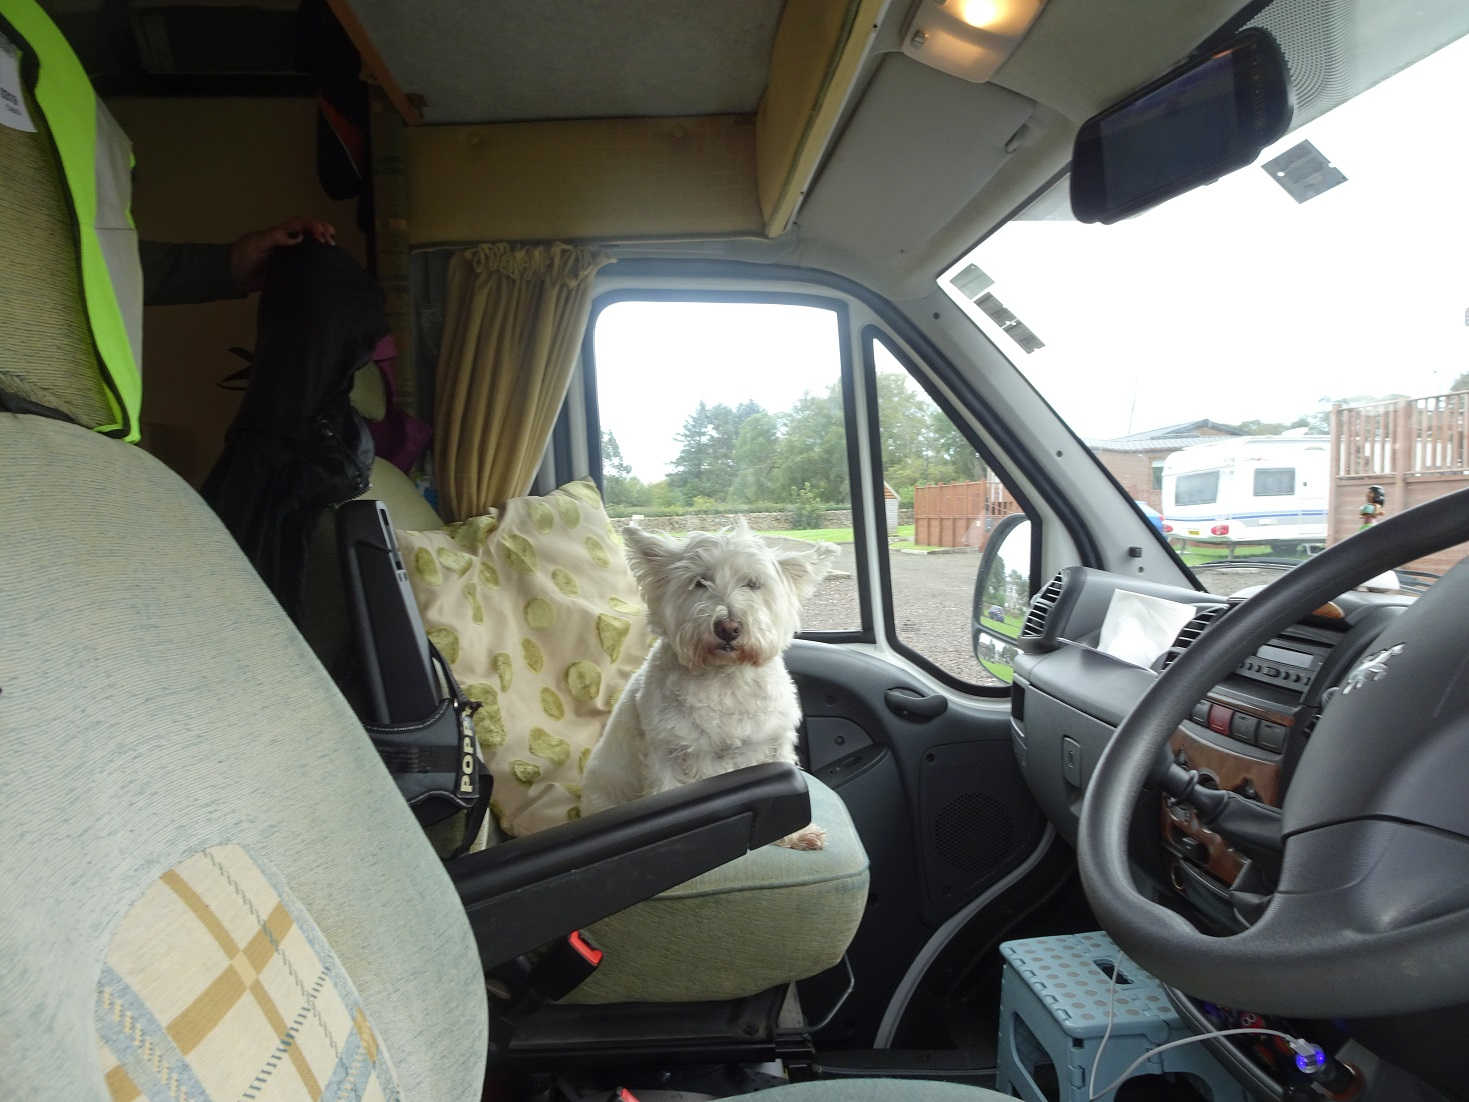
<point>769,917</point>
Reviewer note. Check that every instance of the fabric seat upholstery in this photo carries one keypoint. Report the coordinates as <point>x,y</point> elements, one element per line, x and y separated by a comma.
<point>154,702</point>
<point>766,918</point>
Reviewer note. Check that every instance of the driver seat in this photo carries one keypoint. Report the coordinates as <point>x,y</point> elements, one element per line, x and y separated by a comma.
<point>213,883</point>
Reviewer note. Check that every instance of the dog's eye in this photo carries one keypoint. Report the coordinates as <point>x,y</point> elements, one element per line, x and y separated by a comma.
<point>701,583</point>
<point>752,583</point>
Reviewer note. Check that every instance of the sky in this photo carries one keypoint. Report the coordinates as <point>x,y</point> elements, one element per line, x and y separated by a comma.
<point>1232,302</point>
<point>656,361</point>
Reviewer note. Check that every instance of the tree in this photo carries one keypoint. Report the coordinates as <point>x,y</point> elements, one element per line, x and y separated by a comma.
<point>706,465</point>
<point>954,459</point>
<point>755,453</point>
<point>1262,428</point>
<point>1461,383</point>
<point>612,461</point>
<point>620,487</point>
<point>920,445</point>
<point>813,449</point>
<point>902,415</point>
<point>1315,422</point>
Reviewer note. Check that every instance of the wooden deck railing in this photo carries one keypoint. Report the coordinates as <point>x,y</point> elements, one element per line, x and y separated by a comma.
<point>1411,436</point>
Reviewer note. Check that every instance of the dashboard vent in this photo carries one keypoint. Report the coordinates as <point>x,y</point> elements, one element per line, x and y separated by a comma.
<point>1190,632</point>
<point>1040,607</point>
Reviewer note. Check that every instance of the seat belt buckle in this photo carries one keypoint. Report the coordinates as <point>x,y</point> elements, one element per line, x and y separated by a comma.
<point>566,965</point>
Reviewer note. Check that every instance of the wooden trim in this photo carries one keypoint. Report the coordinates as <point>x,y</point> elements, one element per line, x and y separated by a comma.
<point>1230,771</point>
<point>582,180</point>
<point>373,61</point>
<point>846,66</point>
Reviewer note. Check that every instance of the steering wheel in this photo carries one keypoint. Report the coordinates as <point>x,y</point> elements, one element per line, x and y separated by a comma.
<point>1371,913</point>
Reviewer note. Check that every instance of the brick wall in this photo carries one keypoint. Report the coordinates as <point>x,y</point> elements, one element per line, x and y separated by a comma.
<point>1135,471</point>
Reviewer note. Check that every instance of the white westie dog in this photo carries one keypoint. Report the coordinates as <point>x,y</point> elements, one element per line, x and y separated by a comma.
<point>713,694</point>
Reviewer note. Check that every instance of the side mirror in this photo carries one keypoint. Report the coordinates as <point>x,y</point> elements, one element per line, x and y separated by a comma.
<point>1001,596</point>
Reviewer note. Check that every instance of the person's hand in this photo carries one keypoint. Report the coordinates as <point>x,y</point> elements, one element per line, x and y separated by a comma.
<point>249,254</point>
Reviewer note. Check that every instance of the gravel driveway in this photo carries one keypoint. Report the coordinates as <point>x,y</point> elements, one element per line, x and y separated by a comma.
<point>931,603</point>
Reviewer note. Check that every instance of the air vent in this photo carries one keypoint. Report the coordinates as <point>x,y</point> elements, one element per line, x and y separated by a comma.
<point>1040,608</point>
<point>1190,632</point>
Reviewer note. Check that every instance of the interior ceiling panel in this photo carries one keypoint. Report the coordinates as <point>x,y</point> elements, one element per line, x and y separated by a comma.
<point>510,60</point>
<point>917,149</point>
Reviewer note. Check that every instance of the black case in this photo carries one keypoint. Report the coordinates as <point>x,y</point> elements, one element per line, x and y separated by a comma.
<point>422,727</point>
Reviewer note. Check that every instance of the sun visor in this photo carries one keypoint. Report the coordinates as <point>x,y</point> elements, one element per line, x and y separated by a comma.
<point>870,199</point>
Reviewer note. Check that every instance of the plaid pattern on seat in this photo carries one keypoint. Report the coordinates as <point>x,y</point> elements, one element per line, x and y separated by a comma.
<point>218,985</point>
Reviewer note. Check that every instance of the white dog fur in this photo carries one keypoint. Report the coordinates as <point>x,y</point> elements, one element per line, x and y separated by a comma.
<point>713,694</point>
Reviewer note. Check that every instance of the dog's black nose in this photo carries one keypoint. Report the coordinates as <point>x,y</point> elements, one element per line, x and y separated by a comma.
<point>727,630</point>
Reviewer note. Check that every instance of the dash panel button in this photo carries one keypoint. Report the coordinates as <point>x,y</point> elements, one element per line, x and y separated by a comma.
<point>1071,760</point>
<point>1272,736</point>
<point>1243,727</point>
<point>1219,717</point>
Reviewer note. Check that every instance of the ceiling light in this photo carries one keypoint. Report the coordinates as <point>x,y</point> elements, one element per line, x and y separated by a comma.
<point>968,38</point>
<point>980,13</point>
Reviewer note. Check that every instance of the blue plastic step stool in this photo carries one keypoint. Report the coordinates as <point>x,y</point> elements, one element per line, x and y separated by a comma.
<point>1053,1009</point>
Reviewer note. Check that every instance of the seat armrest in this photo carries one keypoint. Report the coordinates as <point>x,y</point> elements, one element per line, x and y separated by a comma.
<point>525,892</point>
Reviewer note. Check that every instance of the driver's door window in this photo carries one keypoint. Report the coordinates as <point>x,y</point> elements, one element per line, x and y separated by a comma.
<point>944,506</point>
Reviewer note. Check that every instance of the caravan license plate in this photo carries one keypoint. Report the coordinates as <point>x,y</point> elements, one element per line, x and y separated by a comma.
<point>1193,531</point>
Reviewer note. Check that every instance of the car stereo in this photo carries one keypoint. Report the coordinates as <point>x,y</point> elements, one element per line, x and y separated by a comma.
<point>1290,663</point>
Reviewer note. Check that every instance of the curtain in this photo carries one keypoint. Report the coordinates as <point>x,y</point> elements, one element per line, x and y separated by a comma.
<point>513,322</point>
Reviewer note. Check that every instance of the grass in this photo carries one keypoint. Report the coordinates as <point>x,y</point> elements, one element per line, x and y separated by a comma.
<point>1201,556</point>
<point>999,669</point>
<point>1010,626</point>
<point>903,538</point>
<point>815,535</point>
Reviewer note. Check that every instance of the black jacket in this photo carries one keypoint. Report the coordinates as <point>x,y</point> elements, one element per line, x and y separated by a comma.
<point>176,274</point>
<point>296,446</point>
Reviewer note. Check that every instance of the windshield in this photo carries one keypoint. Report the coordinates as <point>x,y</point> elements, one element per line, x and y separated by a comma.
<point>1273,361</point>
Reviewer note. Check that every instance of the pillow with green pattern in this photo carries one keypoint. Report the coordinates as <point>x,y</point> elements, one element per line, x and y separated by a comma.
<point>535,609</point>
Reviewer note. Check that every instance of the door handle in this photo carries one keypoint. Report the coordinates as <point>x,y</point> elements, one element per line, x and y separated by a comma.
<point>911,704</point>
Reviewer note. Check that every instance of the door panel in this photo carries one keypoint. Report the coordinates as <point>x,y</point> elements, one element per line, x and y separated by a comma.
<point>938,801</point>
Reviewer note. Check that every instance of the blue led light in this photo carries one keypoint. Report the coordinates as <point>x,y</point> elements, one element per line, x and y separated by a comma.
<point>1311,1063</point>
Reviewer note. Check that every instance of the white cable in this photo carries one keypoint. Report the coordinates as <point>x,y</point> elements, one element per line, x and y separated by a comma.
<point>1111,1005</point>
<point>1298,1044</point>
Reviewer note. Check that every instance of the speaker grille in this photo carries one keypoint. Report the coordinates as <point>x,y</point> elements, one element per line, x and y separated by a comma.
<point>973,833</point>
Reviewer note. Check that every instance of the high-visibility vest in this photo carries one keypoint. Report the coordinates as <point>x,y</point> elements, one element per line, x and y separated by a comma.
<point>96,161</point>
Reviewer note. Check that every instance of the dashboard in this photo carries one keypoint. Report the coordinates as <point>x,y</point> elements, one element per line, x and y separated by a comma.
<point>1245,735</point>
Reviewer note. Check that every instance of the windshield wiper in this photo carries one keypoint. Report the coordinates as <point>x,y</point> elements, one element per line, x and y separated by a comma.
<point>1253,560</point>
<point>1416,581</point>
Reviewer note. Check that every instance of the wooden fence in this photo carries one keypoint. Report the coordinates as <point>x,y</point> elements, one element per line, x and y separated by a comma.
<point>1416,449</point>
<point>959,514</point>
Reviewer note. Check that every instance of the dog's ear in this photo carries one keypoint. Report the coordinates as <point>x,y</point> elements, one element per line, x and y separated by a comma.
<point>649,553</point>
<point>804,569</point>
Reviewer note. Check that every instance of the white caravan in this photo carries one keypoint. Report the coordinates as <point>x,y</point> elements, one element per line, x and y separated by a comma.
<point>1248,489</point>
